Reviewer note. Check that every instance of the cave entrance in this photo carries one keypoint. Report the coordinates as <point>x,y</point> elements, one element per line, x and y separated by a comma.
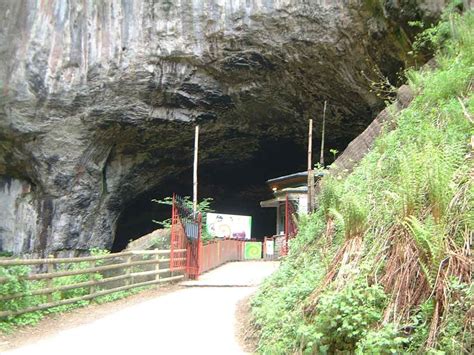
<point>236,183</point>
<point>236,188</point>
<point>139,215</point>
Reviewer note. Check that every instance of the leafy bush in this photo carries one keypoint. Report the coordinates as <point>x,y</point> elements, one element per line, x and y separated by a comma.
<point>203,207</point>
<point>456,335</point>
<point>15,284</point>
<point>386,340</point>
<point>343,318</point>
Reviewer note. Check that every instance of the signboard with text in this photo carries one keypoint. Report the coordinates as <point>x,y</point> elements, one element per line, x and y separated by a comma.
<point>229,226</point>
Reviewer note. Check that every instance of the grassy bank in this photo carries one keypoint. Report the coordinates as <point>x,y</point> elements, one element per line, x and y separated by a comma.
<point>384,265</point>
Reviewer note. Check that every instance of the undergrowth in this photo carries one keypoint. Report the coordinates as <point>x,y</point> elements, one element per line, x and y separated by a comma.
<point>16,284</point>
<point>384,265</point>
<point>203,207</point>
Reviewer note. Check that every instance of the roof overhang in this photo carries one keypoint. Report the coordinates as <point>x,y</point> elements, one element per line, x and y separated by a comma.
<point>292,180</point>
<point>296,176</point>
<point>302,190</point>
<point>270,203</point>
<point>292,194</point>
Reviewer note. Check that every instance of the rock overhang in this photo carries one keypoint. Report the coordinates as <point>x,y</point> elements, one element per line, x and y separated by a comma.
<point>99,99</point>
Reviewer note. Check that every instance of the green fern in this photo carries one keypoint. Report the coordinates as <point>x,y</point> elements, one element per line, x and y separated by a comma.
<point>430,241</point>
<point>329,195</point>
<point>354,211</point>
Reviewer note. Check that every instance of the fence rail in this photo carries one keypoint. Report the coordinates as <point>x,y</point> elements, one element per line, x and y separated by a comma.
<point>219,252</point>
<point>62,281</point>
<point>12,262</point>
<point>43,283</point>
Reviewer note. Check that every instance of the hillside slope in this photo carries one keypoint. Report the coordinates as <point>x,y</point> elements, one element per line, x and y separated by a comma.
<point>384,265</point>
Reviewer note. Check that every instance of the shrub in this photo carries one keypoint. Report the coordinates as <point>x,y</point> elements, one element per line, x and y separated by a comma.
<point>386,340</point>
<point>343,318</point>
<point>15,284</point>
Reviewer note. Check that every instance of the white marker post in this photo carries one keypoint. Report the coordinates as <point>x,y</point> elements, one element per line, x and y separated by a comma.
<point>195,173</point>
<point>310,167</point>
<point>323,136</point>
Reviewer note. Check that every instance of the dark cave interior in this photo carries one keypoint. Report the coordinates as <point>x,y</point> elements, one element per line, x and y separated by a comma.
<point>234,188</point>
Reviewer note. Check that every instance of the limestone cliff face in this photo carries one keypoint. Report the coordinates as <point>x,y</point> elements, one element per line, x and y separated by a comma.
<point>96,96</point>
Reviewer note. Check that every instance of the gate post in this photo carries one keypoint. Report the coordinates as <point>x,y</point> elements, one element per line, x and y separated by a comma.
<point>173,232</point>
<point>199,246</point>
<point>287,222</point>
<point>186,237</point>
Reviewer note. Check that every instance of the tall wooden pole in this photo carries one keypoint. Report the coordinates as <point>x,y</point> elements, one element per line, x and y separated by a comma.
<point>323,133</point>
<point>310,167</point>
<point>195,172</point>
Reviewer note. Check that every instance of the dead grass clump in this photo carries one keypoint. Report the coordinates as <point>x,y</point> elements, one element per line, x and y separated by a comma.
<point>457,265</point>
<point>403,277</point>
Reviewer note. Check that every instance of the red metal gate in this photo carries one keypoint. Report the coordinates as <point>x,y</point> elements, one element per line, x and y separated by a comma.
<point>186,248</point>
<point>193,253</point>
<point>186,244</point>
<point>290,223</point>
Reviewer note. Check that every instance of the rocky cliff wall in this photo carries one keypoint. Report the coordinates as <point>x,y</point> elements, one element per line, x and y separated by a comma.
<point>96,96</point>
<point>19,216</point>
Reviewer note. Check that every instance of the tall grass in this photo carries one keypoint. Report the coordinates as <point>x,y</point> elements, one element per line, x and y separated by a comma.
<point>410,201</point>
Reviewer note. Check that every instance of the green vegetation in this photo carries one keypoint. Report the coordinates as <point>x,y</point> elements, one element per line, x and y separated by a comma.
<point>16,284</point>
<point>383,266</point>
<point>203,207</point>
<point>119,295</point>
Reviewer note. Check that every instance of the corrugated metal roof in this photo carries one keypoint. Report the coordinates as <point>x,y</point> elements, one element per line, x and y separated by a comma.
<point>288,177</point>
<point>292,176</point>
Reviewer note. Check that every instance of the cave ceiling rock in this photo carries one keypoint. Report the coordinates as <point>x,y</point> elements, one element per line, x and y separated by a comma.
<point>97,96</point>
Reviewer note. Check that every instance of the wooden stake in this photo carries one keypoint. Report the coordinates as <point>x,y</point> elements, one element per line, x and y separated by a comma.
<point>323,132</point>
<point>49,282</point>
<point>310,167</point>
<point>310,144</point>
<point>195,175</point>
<point>157,266</point>
<point>128,270</point>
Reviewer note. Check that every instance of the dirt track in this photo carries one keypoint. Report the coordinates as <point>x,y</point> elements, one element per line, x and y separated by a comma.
<point>196,318</point>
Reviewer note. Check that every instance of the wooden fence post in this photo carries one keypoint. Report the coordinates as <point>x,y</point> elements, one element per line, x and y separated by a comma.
<point>92,264</point>
<point>157,266</point>
<point>128,270</point>
<point>49,282</point>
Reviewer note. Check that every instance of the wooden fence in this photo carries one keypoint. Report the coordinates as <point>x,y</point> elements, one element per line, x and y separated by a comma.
<point>107,274</point>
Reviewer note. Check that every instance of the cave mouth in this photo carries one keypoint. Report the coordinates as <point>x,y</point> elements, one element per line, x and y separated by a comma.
<point>235,187</point>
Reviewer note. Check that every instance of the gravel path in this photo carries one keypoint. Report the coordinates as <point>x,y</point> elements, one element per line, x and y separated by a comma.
<point>198,318</point>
